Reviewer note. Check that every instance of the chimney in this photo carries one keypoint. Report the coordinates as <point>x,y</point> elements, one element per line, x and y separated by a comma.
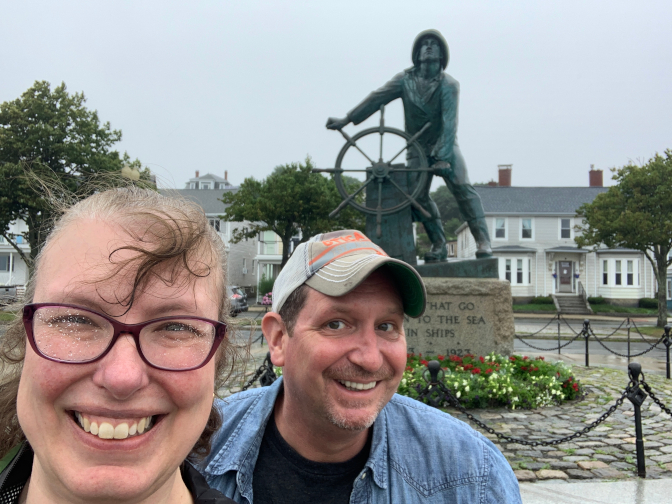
<point>226,175</point>
<point>504,175</point>
<point>595,177</point>
<point>196,173</point>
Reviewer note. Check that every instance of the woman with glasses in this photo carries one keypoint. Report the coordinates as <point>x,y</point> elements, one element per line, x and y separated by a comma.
<point>108,378</point>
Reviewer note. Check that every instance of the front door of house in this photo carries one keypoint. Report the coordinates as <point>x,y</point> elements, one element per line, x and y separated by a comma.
<point>565,276</point>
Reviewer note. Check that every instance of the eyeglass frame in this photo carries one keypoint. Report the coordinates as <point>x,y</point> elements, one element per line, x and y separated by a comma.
<point>120,328</point>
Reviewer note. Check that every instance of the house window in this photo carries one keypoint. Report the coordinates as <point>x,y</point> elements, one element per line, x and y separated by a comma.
<point>669,288</point>
<point>605,272</point>
<point>630,274</point>
<point>215,223</point>
<point>19,239</point>
<point>565,228</point>
<point>205,185</point>
<point>6,263</point>
<point>526,229</point>
<point>192,185</point>
<point>529,271</point>
<point>508,269</point>
<point>618,272</point>
<point>519,275</point>
<point>500,228</point>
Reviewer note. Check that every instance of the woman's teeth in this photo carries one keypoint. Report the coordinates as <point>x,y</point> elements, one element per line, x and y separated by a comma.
<point>105,430</point>
<point>357,386</point>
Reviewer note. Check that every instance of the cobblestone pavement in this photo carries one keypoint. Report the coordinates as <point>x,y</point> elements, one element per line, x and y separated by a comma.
<point>605,453</point>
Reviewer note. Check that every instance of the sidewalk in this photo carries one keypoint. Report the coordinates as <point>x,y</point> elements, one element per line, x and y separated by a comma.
<point>636,491</point>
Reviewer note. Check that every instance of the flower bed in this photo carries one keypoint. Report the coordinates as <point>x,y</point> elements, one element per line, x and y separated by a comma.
<point>496,380</point>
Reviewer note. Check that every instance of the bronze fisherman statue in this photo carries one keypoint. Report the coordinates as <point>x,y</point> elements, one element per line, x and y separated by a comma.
<point>430,94</point>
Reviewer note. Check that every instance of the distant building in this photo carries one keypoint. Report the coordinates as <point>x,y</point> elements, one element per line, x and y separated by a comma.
<point>532,233</point>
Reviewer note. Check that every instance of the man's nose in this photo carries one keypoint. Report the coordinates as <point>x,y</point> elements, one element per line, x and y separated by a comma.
<point>122,372</point>
<point>367,352</point>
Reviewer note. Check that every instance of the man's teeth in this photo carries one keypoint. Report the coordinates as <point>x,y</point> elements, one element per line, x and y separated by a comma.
<point>105,430</point>
<point>357,386</point>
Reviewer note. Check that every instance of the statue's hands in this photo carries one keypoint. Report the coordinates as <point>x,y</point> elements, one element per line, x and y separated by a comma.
<point>334,123</point>
<point>441,168</point>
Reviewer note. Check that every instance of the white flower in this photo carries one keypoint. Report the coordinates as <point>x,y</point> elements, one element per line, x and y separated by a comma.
<point>464,382</point>
<point>458,394</point>
<point>466,389</point>
<point>403,382</point>
<point>510,390</point>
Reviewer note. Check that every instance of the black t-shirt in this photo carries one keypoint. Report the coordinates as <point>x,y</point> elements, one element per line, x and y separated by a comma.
<point>282,476</point>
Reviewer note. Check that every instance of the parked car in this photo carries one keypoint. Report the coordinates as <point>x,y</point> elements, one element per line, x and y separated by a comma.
<point>238,299</point>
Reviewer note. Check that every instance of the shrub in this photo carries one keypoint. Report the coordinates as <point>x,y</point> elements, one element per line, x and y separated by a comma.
<point>265,284</point>
<point>596,300</point>
<point>496,380</point>
<point>650,303</point>
<point>542,300</point>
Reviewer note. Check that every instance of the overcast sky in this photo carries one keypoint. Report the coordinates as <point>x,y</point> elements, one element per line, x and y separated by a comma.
<point>548,86</point>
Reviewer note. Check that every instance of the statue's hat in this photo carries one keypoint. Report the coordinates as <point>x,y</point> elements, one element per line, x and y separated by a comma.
<point>445,54</point>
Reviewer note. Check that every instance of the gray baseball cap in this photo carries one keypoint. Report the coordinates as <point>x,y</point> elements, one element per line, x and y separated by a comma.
<point>336,263</point>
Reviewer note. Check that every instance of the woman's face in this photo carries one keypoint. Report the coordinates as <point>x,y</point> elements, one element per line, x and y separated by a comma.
<point>120,388</point>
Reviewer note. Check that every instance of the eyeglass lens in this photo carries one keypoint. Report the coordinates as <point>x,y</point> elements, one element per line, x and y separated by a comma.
<point>77,335</point>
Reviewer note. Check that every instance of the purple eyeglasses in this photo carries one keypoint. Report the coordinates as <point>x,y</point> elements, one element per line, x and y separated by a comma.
<point>74,335</point>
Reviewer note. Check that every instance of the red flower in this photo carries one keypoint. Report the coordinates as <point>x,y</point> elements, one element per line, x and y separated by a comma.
<point>513,359</point>
<point>409,368</point>
<point>476,371</point>
<point>409,355</point>
<point>482,359</point>
<point>525,357</point>
<point>468,355</point>
<point>455,358</point>
<point>541,358</point>
<point>468,366</point>
<point>440,357</point>
<point>424,362</point>
<point>523,368</point>
<point>575,386</point>
<point>487,371</point>
<point>564,385</point>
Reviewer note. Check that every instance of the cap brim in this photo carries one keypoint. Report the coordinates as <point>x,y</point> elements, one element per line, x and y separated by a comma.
<point>341,276</point>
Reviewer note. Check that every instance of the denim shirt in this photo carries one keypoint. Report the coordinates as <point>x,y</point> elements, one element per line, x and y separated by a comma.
<point>418,455</point>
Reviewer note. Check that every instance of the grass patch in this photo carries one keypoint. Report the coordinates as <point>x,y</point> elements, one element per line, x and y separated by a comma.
<point>6,317</point>
<point>569,451</point>
<point>526,308</point>
<point>608,308</point>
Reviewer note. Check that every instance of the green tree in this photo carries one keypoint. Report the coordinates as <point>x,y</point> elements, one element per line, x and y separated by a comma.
<point>290,201</point>
<point>636,213</point>
<point>50,136</point>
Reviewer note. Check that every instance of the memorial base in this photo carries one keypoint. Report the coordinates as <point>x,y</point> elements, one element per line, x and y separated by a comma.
<point>463,316</point>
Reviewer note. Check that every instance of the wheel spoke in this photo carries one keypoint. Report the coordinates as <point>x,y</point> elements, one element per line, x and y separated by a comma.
<point>379,216</point>
<point>381,131</point>
<point>337,170</point>
<point>352,142</point>
<point>413,139</point>
<point>349,198</point>
<point>410,198</point>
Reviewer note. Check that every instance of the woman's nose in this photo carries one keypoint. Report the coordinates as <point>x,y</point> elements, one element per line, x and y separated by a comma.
<point>122,372</point>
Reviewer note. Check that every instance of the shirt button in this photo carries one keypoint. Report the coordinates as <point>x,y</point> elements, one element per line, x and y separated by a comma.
<point>363,475</point>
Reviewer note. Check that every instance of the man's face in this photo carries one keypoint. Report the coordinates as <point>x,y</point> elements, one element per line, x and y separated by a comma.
<point>346,356</point>
<point>430,49</point>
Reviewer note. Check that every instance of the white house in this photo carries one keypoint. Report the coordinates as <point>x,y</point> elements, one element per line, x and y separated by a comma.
<point>532,231</point>
<point>13,270</point>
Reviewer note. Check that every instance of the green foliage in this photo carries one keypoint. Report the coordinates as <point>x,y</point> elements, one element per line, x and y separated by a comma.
<point>528,308</point>
<point>52,137</point>
<point>292,199</point>
<point>542,300</point>
<point>635,213</point>
<point>648,303</point>
<point>596,300</point>
<point>266,285</point>
<point>496,380</point>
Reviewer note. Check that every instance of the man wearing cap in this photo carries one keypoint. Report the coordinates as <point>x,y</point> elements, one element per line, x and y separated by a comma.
<point>431,95</point>
<point>332,429</point>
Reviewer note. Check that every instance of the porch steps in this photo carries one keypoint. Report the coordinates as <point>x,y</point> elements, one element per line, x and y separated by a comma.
<point>571,305</point>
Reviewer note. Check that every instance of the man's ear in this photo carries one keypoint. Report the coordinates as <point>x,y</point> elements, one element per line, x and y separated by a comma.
<point>275,332</point>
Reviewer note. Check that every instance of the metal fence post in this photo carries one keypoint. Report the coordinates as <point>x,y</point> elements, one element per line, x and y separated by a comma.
<point>558,334</point>
<point>628,323</point>
<point>667,342</point>
<point>637,397</point>
<point>586,335</point>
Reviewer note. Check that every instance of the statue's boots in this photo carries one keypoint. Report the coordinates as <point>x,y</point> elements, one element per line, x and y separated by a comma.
<point>479,230</point>
<point>436,235</point>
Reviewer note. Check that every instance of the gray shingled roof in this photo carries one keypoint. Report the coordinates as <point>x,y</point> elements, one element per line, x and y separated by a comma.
<point>207,198</point>
<point>536,200</point>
